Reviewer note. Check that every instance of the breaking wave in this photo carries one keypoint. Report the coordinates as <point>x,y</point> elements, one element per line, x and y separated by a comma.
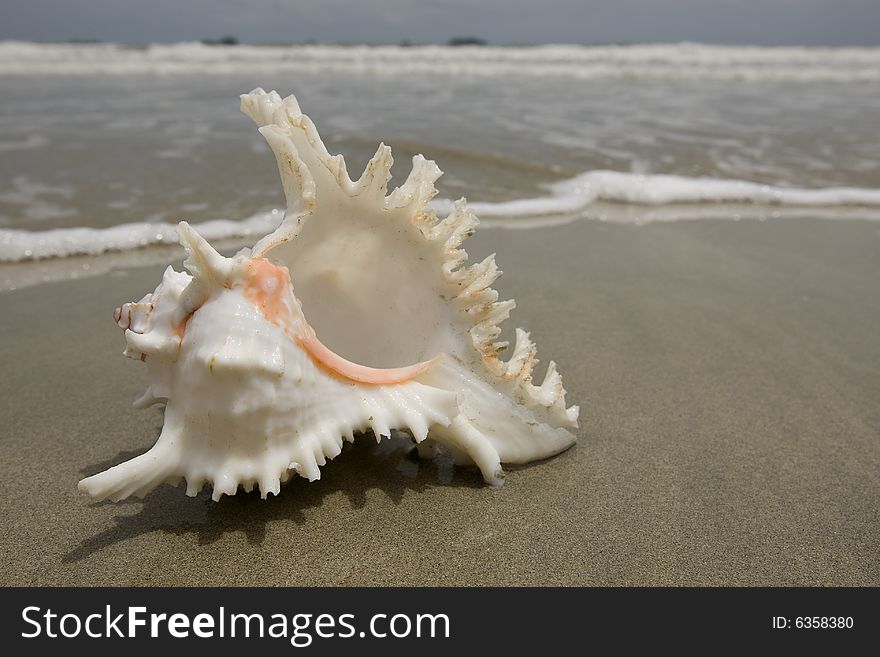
<point>685,61</point>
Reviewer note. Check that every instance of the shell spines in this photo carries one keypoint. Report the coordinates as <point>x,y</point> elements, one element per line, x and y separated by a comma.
<point>485,314</point>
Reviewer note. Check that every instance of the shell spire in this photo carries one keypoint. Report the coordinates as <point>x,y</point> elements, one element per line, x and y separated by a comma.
<point>202,260</point>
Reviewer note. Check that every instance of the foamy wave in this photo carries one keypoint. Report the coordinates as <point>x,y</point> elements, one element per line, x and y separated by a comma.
<point>18,245</point>
<point>665,61</point>
<point>567,200</point>
<point>576,194</point>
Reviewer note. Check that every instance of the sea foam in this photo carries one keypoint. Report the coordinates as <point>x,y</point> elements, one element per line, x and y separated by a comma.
<point>639,194</point>
<point>19,245</point>
<point>576,194</point>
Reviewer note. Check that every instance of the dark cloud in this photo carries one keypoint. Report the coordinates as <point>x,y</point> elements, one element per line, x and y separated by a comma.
<point>761,22</point>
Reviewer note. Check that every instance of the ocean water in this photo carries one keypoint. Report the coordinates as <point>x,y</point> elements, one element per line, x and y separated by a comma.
<point>104,148</point>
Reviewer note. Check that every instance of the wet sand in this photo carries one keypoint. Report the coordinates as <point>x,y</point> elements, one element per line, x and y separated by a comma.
<point>729,381</point>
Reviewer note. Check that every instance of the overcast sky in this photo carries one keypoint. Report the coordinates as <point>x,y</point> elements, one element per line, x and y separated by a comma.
<point>761,22</point>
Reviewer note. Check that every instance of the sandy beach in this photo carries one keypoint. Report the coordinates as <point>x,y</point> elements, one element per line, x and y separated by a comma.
<point>728,375</point>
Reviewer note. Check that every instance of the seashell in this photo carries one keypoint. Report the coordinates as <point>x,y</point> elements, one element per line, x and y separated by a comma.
<point>357,313</point>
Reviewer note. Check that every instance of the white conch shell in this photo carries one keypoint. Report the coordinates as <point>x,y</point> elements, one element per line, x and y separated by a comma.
<point>411,332</point>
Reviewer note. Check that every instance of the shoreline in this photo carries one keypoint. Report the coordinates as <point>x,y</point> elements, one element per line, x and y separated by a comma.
<point>83,263</point>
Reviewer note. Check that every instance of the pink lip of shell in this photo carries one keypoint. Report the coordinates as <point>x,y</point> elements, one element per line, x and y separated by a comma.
<point>361,373</point>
